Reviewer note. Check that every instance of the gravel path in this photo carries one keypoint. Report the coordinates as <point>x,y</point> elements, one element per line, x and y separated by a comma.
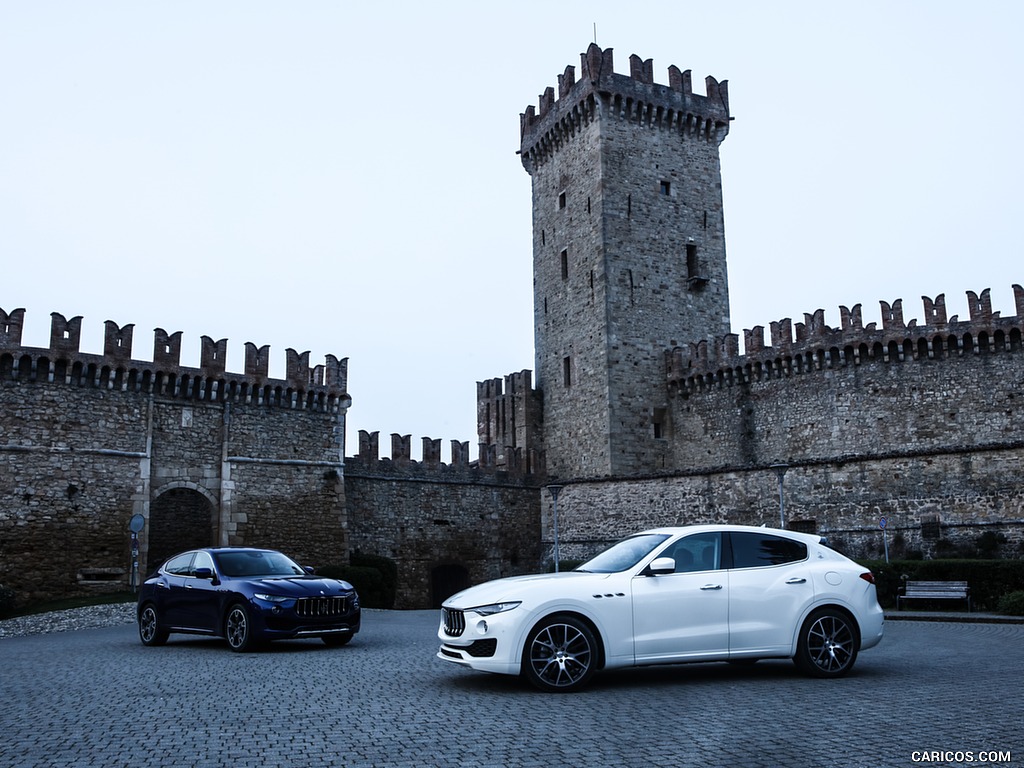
<point>89,617</point>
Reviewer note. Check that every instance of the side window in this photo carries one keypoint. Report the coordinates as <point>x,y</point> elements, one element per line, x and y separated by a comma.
<point>203,560</point>
<point>699,552</point>
<point>754,550</point>
<point>179,565</point>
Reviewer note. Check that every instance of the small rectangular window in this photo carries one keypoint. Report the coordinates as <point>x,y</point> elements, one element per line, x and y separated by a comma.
<point>565,263</point>
<point>691,261</point>
<point>666,188</point>
<point>659,419</point>
<point>561,200</point>
<point>567,371</point>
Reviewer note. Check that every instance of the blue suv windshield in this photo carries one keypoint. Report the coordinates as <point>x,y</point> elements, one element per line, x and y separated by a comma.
<point>257,563</point>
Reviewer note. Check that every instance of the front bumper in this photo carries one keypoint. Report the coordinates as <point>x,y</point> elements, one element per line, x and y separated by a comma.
<point>281,621</point>
<point>484,643</point>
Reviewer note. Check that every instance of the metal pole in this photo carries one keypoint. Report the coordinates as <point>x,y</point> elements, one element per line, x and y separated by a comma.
<point>553,490</point>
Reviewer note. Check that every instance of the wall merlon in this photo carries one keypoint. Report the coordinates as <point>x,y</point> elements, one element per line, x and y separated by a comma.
<point>117,341</point>
<point>892,315</point>
<point>980,307</point>
<point>369,442</point>
<point>813,326</point>
<point>753,339</point>
<point>401,448</point>
<point>782,333</point>
<point>65,335</point>
<point>166,348</point>
<point>852,319</point>
<point>681,81</point>
<point>213,356</point>
<point>935,310</point>
<point>431,453</point>
<point>11,326</point>
<point>257,360</point>
<point>641,70</point>
<point>566,81</point>
<point>460,453</point>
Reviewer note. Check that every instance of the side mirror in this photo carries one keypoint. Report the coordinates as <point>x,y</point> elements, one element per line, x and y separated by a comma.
<point>309,569</point>
<point>203,573</point>
<point>661,566</point>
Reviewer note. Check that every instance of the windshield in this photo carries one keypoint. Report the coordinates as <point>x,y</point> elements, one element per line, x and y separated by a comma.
<point>625,554</point>
<point>256,563</point>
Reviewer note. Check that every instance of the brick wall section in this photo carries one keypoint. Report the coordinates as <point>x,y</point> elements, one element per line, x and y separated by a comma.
<point>425,518</point>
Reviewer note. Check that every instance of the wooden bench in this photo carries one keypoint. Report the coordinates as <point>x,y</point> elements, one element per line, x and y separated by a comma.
<point>935,590</point>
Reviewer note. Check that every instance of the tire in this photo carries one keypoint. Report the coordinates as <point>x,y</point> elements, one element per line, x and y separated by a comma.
<point>238,629</point>
<point>828,644</point>
<point>561,655</point>
<point>150,631</point>
<point>336,641</point>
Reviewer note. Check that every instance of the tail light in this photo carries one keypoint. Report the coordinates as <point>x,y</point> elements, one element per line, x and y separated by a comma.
<point>868,576</point>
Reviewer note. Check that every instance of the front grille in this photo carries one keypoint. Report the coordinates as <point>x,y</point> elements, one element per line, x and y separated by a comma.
<point>313,607</point>
<point>454,622</point>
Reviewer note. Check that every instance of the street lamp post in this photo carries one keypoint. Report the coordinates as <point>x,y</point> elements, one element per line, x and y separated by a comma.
<point>780,472</point>
<point>553,490</point>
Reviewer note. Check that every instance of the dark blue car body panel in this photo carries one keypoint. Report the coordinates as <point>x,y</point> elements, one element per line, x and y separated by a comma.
<point>288,603</point>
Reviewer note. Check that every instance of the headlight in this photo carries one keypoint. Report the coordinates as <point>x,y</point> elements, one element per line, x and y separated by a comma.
<point>490,610</point>
<point>271,598</point>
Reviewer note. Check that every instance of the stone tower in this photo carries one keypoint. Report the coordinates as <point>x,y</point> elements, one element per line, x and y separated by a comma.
<point>628,255</point>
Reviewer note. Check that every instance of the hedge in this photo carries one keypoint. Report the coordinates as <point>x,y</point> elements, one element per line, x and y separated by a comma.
<point>374,577</point>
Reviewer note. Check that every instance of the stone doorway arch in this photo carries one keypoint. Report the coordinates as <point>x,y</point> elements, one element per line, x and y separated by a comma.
<point>179,518</point>
<point>445,581</point>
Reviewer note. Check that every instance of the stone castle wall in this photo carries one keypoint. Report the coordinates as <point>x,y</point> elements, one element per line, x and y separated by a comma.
<point>446,527</point>
<point>206,457</point>
<point>916,423</point>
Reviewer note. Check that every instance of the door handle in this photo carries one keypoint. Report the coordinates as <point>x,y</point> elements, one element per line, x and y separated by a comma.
<point>796,580</point>
<point>711,586</point>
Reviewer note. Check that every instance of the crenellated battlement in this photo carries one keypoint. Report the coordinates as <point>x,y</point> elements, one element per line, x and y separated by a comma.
<point>323,387</point>
<point>401,462</point>
<point>634,97</point>
<point>813,345</point>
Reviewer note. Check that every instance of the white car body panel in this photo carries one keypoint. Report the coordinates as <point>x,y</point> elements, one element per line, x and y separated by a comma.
<point>718,614</point>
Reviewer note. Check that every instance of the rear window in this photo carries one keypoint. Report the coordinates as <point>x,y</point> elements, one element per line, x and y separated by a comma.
<point>754,550</point>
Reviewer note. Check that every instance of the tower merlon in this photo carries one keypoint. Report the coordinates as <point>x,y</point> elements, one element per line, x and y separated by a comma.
<point>634,96</point>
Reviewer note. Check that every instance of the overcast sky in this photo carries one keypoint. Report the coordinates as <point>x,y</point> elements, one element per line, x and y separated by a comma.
<point>342,178</point>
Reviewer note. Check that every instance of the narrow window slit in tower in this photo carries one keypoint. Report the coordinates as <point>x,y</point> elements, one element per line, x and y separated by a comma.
<point>565,263</point>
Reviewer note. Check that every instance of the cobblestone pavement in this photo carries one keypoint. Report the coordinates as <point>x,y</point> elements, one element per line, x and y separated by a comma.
<point>97,697</point>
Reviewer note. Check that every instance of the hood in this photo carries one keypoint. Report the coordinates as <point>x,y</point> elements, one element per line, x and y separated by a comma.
<point>302,586</point>
<point>518,588</point>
